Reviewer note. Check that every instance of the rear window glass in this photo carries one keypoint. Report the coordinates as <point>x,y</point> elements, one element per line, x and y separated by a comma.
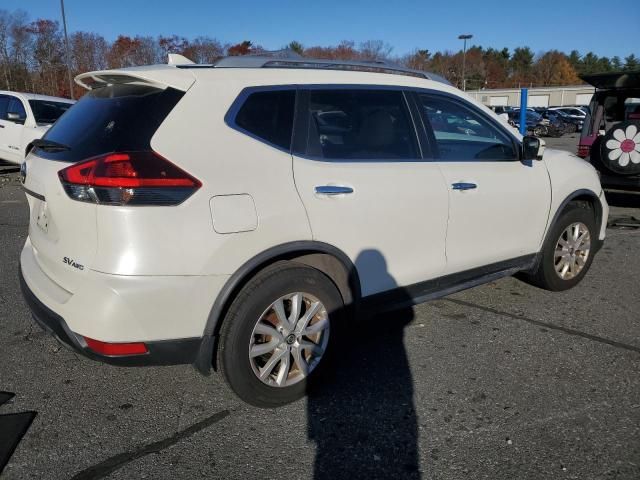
<point>269,116</point>
<point>119,117</point>
<point>48,112</point>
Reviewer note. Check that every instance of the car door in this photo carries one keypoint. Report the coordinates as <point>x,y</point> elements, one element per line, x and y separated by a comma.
<point>11,128</point>
<point>498,205</point>
<point>366,187</point>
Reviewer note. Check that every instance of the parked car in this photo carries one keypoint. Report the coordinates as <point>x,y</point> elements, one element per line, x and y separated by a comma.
<point>575,120</point>
<point>610,139</point>
<point>573,112</point>
<point>25,117</point>
<point>564,123</point>
<point>240,214</point>
<point>501,109</point>
<point>535,123</point>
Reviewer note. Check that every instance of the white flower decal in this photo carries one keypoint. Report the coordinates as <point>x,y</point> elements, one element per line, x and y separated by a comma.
<point>625,146</point>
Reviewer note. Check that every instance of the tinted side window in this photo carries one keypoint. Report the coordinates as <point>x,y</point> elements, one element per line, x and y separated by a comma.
<point>462,134</point>
<point>360,124</point>
<point>269,116</point>
<point>46,111</point>
<point>4,103</point>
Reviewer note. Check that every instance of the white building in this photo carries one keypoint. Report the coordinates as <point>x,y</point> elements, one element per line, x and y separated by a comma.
<point>537,97</point>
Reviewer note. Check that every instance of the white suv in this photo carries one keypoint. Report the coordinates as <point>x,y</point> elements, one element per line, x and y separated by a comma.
<point>25,117</point>
<point>240,214</point>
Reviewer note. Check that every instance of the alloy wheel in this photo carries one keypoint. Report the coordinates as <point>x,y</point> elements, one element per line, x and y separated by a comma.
<point>572,251</point>
<point>289,339</point>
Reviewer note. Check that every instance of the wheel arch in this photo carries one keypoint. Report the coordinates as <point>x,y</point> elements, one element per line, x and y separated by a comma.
<point>327,258</point>
<point>582,195</point>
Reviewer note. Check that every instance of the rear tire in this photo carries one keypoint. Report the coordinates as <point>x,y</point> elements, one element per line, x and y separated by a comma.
<point>263,317</point>
<point>565,259</point>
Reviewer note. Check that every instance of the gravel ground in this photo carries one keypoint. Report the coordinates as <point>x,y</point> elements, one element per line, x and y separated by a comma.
<point>502,381</point>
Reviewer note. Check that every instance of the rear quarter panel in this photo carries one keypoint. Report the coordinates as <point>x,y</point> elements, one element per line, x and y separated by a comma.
<point>181,240</point>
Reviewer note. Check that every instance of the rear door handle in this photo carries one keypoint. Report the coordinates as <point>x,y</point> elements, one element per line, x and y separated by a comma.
<point>464,186</point>
<point>332,190</point>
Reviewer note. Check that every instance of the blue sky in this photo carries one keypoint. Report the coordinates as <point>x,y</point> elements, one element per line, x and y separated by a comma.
<point>585,25</point>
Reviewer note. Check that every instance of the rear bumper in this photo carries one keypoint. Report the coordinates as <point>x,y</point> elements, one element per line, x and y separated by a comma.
<point>168,314</point>
<point>165,352</point>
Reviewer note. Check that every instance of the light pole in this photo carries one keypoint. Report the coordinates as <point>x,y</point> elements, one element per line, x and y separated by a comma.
<point>464,58</point>
<point>66,43</point>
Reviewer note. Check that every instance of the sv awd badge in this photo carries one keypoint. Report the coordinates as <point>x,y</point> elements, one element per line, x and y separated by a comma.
<point>70,261</point>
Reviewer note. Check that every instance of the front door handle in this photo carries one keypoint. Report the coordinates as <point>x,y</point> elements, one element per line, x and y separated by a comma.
<point>332,190</point>
<point>464,186</point>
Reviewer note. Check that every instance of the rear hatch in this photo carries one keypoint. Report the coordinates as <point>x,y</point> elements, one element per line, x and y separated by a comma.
<point>613,80</point>
<point>614,92</point>
<point>116,117</point>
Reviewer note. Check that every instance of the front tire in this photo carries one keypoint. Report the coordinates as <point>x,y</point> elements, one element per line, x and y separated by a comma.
<point>568,250</point>
<point>279,334</point>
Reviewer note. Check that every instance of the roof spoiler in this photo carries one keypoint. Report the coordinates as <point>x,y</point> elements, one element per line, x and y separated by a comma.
<point>177,59</point>
<point>159,76</point>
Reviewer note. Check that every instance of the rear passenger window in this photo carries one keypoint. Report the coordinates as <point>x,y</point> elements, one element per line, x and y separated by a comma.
<point>360,124</point>
<point>269,116</point>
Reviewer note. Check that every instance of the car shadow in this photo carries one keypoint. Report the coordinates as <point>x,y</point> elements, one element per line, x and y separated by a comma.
<point>362,419</point>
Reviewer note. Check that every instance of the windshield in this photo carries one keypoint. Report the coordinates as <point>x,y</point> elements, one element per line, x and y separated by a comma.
<point>46,111</point>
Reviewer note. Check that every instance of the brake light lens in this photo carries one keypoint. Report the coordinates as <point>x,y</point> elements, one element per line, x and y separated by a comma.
<point>116,349</point>
<point>128,178</point>
<point>583,151</point>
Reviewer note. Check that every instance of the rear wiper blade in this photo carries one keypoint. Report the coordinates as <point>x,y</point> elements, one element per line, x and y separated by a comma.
<point>50,145</point>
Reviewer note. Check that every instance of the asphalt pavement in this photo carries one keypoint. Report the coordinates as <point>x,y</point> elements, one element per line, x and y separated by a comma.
<point>503,381</point>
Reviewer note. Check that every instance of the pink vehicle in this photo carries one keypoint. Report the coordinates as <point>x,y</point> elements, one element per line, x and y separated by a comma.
<point>610,138</point>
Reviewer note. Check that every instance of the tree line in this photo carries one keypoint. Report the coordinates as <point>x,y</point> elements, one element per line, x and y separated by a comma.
<point>33,57</point>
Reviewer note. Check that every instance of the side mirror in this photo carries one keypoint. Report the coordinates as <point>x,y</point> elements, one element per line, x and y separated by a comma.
<point>532,148</point>
<point>15,117</point>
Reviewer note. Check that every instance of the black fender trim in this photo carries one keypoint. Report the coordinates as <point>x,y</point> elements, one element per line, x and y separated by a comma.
<point>579,193</point>
<point>203,361</point>
<point>571,197</point>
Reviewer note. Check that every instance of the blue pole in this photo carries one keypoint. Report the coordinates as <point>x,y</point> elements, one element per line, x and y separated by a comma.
<point>523,111</point>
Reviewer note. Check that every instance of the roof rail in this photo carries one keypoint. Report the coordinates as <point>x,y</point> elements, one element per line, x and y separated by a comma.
<point>266,61</point>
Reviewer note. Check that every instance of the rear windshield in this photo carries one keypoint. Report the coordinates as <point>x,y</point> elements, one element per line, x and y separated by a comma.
<point>46,111</point>
<point>119,117</point>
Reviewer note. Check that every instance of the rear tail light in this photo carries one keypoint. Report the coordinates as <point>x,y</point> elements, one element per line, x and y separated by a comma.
<point>116,349</point>
<point>583,151</point>
<point>128,178</point>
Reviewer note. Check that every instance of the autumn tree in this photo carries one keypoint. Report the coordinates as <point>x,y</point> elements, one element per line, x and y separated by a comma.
<point>374,50</point>
<point>521,66</point>
<point>242,48</point>
<point>48,53</point>
<point>554,68</point>
<point>32,57</point>
<point>496,67</point>
<point>418,60</point>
